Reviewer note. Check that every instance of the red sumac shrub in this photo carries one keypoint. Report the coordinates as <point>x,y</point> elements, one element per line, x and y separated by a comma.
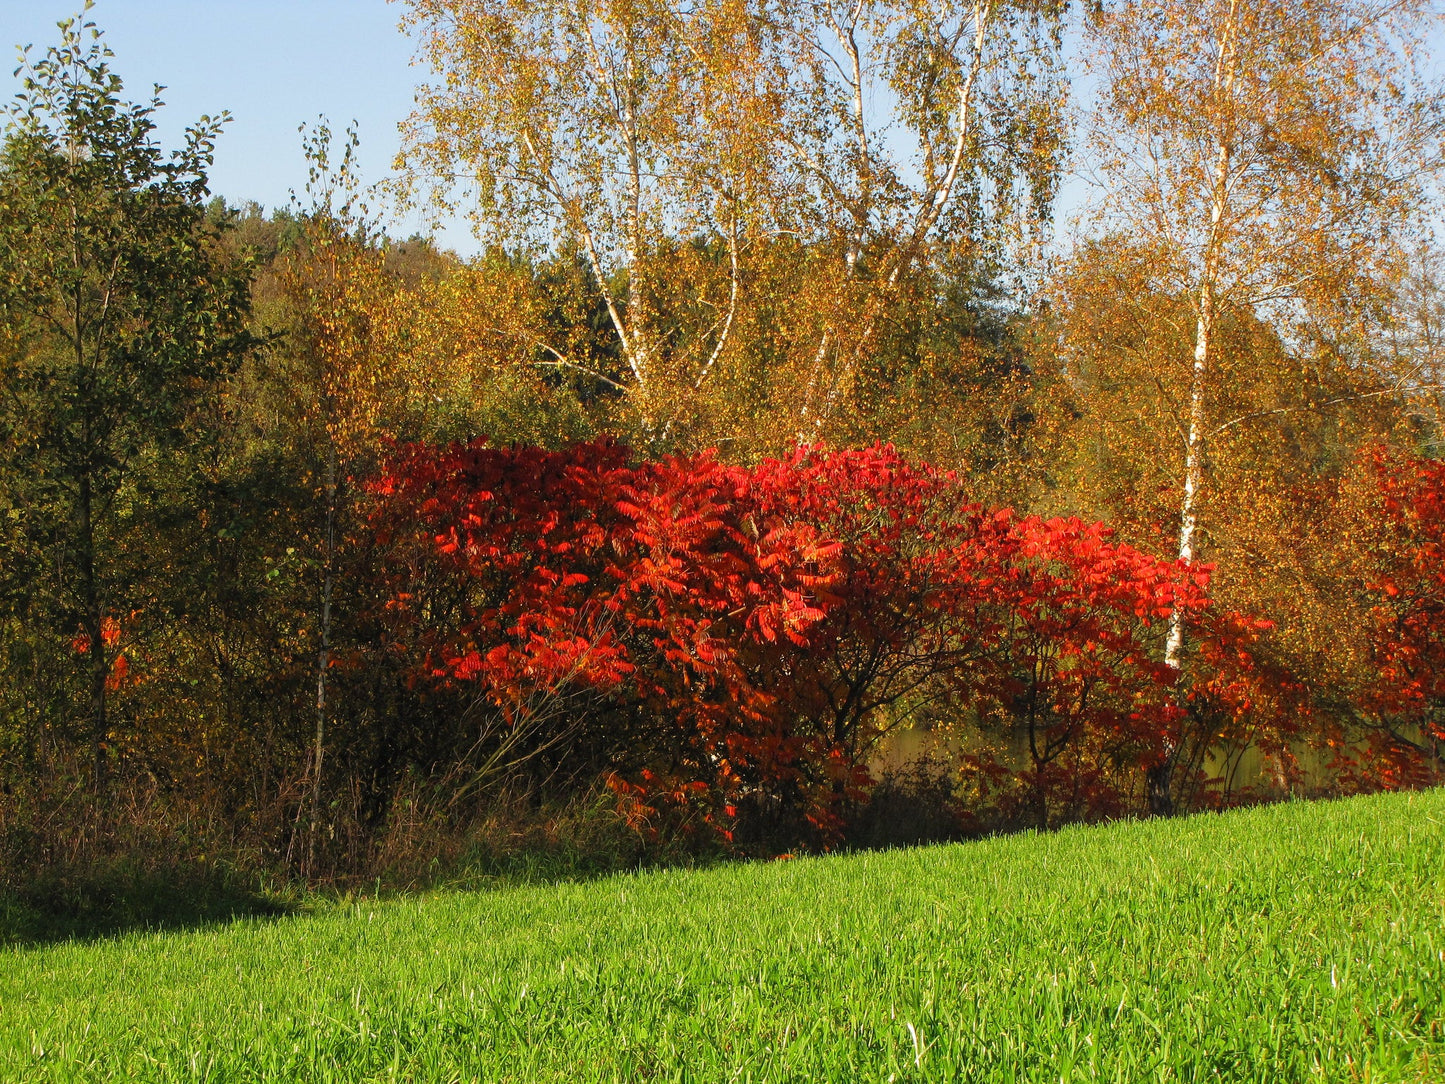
<point>1077,673</point>
<point>534,574</point>
<point>1402,706</point>
<point>741,637</point>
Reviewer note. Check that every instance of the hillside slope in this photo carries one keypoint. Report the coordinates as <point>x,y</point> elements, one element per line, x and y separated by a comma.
<point>1296,942</point>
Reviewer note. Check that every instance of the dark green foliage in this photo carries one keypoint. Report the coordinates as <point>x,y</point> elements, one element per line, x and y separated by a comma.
<point>118,320</point>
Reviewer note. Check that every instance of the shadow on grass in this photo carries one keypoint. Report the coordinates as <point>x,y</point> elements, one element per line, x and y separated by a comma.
<point>144,889</point>
<point>124,900</point>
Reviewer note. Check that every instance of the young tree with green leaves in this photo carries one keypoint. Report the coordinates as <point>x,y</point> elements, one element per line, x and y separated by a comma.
<point>118,315</point>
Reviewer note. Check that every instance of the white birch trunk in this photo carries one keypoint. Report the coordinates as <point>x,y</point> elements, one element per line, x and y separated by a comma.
<point>1193,461</point>
<point>1160,777</point>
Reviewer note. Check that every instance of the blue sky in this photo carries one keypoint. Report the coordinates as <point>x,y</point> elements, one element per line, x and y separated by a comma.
<point>272,63</point>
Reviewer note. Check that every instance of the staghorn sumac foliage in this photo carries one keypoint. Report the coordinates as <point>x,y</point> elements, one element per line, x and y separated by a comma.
<point>110,635</point>
<point>1402,704</point>
<point>1079,674</point>
<point>728,644</point>
<point>495,559</point>
<point>1238,695</point>
<point>1042,628</point>
<point>904,611</point>
<point>577,592</point>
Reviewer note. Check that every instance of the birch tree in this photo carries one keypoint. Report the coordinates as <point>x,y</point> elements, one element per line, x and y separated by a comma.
<point>864,133</point>
<point>1276,156</point>
<point>600,127</point>
<point>914,128</point>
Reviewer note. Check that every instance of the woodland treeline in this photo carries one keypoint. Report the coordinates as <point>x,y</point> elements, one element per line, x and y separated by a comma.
<point>777,416</point>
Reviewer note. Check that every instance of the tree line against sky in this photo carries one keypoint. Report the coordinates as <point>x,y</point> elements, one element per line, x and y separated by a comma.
<point>724,245</point>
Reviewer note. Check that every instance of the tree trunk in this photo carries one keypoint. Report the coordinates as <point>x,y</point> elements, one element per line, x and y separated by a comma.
<point>1193,461</point>
<point>94,627</point>
<point>323,660</point>
<point>1160,777</point>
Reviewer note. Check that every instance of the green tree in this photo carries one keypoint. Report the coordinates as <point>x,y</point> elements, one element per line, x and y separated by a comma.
<point>118,316</point>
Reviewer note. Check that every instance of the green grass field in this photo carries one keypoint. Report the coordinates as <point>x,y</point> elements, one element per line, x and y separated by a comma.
<point>1299,942</point>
